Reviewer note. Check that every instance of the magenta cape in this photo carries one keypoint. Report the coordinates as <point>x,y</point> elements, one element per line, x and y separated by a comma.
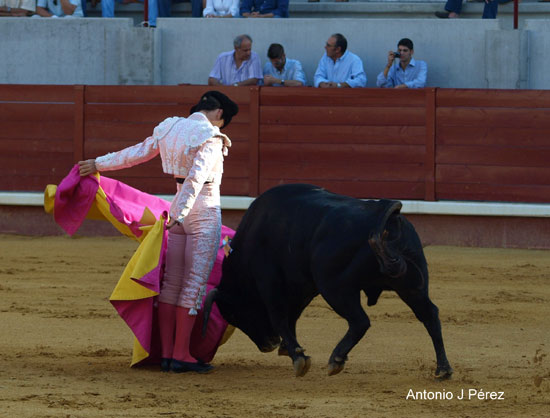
<point>142,217</point>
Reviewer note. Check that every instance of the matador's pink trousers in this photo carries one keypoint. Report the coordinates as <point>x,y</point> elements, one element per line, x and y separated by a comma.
<point>191,251</point>
<point>190,255</point>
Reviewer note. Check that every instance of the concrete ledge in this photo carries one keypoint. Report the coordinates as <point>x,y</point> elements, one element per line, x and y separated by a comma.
<point>416,207</point>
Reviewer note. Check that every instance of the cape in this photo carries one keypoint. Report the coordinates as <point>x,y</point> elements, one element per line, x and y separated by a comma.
<point>142,217</point>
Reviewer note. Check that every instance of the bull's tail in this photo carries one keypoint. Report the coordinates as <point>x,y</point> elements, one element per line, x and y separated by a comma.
<point>391,262</point>
<point>207,308</point>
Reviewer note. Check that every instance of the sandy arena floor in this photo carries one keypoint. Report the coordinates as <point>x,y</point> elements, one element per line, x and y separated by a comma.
<point>65,352</point>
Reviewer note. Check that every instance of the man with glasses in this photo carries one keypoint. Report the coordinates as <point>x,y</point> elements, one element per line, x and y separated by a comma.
<point>339,67</point>
<point>407,72</point>
<point>240,67</point>
<point>280,71</point>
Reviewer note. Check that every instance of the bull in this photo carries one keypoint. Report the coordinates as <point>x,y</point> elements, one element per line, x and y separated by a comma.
<point>297,241</point>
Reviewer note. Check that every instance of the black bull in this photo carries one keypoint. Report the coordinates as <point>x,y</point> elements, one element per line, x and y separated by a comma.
<point>296,241</point>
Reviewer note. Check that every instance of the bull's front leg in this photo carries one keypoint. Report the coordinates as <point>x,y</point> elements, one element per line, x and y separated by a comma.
<point>428,314</point>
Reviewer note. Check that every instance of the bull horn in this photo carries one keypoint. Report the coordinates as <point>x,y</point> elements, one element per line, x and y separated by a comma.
<point>391,262</point>
<point>210,298</point>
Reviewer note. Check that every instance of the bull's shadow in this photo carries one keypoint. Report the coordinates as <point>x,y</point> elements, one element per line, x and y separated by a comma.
<point>297,241</point>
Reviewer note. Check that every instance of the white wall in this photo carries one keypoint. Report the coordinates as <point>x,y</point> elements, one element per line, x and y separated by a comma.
<point>465,53</point>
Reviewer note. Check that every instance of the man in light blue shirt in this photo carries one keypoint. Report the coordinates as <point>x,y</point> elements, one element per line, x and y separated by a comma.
<point>407,73</point>
<point>240,67</point>
<point>280,71</point>
<point>339,67</point>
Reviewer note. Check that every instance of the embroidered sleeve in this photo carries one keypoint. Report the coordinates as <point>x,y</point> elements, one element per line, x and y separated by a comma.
<point>209,153</point>
<point>129,157</point>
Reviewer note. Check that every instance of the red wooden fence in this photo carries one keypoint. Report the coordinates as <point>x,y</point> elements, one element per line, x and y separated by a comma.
<point>426,144</point>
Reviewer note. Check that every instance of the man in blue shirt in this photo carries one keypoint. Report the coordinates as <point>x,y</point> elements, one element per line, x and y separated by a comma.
<point>339,67</point>
<point>264,8</point>
<point>408,73</point>
<point>281,71</point>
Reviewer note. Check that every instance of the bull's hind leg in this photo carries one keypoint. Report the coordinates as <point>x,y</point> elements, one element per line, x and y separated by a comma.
<point>428,314</point>
<point>347,304</point>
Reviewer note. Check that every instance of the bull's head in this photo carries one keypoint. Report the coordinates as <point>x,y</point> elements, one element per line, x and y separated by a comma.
<point>240,304</point>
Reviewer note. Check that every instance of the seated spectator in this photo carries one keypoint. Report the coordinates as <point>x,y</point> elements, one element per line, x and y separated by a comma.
<point>240,67</point>
<point>108,9</point>
<point>281,71</point>
<point>221,8</point>
<point>264,8</point>
<point>407,73</point>
<point>454,7</point>
<point>59,8</point>
<point>339,67</point>
<point>17,8</point>
<point>165,7</point>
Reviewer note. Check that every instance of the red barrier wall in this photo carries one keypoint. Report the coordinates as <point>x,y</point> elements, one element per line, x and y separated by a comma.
<point>430,144</point>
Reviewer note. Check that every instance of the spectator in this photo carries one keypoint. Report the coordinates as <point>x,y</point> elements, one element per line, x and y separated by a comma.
<point>281,71</point>
<point>17,8</point>
<point>408,73</point>
<point>454,7</point>
<point>240,67</point>
<point>165,7</point>
<point>264,8</point>
<point>221,8</point>
<point>339,67</point>
<point>59,8</point>
<point>108,9</point>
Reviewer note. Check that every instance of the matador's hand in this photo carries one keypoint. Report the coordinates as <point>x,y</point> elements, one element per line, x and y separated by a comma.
<point>171,223</point>
<point>87,167</point>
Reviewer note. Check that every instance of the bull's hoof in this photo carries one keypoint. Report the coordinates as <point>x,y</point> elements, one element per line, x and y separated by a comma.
<point>301,365</point>
<point>443,373</point>
<point>335,368</point>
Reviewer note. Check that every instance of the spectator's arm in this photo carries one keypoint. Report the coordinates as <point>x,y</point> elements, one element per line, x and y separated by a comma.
<point>209,9</point>
<point>357,78</point>
<point>234,9</point>
<point>282,9</point>
<point>293,83</point>
<point>256,68</point>
<point>215,76</point>
<point>299,78</point>
<point>40,11</point>
<point>249,82</point>
<point>214,82</point>
<point>420,80</point>
<point>386,78</point>
<point>246,8</point>
<point>67,7</point>
<point>320,74</point>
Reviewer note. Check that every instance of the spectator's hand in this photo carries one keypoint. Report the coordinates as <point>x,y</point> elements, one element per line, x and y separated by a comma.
<point>327,85</point>
<point>87,167</point>
<point>401,86</point>
<point>269,80</point>
<point>391,57</point>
